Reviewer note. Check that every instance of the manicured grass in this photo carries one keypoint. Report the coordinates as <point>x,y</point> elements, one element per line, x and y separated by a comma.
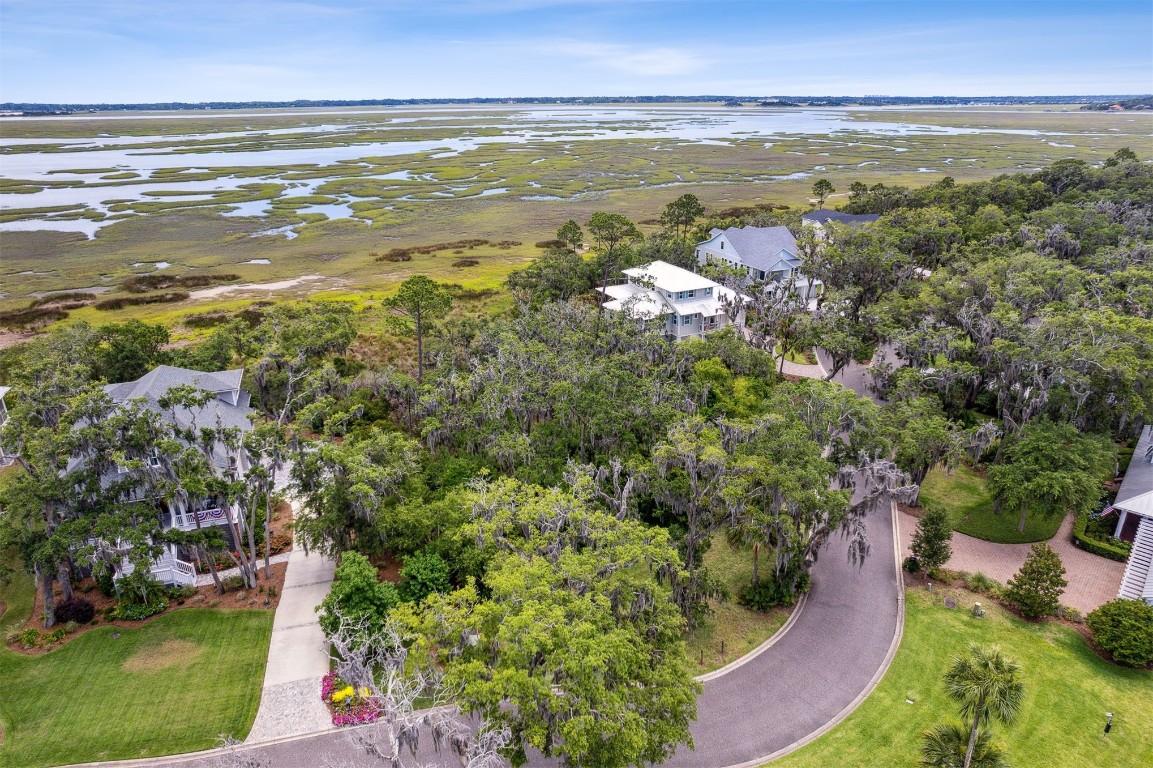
<point>740,629</point>
<point>964,494</point>
<point>1068,691</point>
<point>16,595</point>
<point>172,685</point>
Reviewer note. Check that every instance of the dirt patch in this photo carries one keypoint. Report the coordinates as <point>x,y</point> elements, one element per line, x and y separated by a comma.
<point>170,653</point>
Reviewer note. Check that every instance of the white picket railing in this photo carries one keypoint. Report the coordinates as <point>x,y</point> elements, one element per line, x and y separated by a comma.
<point>186,521</point>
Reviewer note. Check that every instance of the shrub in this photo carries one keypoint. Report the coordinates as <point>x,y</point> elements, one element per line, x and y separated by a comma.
<point>551,244</point>
<point>132,301</point>
<point>424,573</point>
<point>57,635</point>
<point>979,582</point>
<point>1124,629</point>
<point>911,564</point>
<point>140,611</point>
<point>29,638</point>
<point>1086,535</point>
<point>1037,587</point>
<point>77,610</point>
<point>358,595</point>
<point>770,593</point>
<point>71,627</point>
<point>232,583</point>
<point>465,263</point>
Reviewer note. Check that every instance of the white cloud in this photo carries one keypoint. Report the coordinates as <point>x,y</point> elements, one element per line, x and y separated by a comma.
<point>633,60</point>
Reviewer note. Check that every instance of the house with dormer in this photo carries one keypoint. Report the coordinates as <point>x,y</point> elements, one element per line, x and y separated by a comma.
<point>682,303</point>
<point>761,254</point>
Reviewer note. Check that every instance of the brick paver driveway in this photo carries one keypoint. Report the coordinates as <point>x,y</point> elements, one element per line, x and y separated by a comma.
<point>1093,580</point>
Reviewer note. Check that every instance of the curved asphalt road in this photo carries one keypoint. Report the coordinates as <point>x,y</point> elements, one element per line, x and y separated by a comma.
<point>813,674</point>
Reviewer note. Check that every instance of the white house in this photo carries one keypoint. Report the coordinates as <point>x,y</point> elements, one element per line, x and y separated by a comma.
<point>763,253</point>
<point>1135,521</point>
<point>229,408</point>
<point>684,302</point>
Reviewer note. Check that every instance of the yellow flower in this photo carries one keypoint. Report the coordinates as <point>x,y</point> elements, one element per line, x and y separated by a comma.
<point>342,694</point>
<point>364,693</point>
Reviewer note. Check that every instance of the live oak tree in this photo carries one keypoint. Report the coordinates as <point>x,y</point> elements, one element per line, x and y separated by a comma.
<point>576,647</point>
<point>344,488</point>
<point>422,300</point>
<point>1050,469</point>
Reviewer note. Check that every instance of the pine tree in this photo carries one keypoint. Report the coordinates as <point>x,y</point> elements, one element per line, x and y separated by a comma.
<point>931,540</point>
<point>1036,589</point>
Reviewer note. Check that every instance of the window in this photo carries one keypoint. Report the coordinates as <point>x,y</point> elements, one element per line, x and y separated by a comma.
<point>690,294</point>
<point>154,461</point>
<point>722,245</point>
<point>708,292</point>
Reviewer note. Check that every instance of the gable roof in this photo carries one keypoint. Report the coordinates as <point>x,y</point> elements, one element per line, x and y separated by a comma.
<point>759,247</point>
<point>152,386</point>
<point>823,215</point>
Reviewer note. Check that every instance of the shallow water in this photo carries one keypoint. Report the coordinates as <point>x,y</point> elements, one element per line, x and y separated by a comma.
<point>566,125</point>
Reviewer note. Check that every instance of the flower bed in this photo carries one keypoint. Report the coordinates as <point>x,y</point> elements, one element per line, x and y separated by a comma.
<point>347,705</point>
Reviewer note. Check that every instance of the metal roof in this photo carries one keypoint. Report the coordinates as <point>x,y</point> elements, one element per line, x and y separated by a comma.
<point>1136,493</point>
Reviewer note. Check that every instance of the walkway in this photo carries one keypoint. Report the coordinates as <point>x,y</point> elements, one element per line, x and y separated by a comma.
<point>1093,580</point>
<point>205,579</point>
<point>297,655</point>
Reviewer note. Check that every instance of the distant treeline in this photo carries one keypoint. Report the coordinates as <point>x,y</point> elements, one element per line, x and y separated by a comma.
<point>1143,102</point>
<point>32,109</point>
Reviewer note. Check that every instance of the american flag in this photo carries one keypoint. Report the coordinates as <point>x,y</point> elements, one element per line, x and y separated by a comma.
<point>1107,510</point>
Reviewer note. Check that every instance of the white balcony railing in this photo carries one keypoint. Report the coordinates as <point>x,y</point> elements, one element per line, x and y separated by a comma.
<point>170,570</point>
<point>186,521</point>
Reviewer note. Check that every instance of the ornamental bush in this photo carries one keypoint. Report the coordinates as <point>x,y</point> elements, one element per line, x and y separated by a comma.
<point>1124,628</point>
<point>77,610</point>
<point>140,611</point>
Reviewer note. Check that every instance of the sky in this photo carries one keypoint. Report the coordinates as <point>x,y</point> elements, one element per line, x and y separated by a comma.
<point>132,51</point>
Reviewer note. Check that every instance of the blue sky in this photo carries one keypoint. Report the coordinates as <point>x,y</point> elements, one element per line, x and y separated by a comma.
<point>197,50</point>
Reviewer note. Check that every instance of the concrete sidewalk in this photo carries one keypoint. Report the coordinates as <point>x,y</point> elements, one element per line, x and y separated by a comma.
<point>298,654</point>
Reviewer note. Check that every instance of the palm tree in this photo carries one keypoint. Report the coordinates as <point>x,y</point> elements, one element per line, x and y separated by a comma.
<point>985,684</point>
<point>945,747</point>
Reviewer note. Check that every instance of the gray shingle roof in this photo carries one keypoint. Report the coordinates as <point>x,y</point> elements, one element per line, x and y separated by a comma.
<point>153,385</point>
<point>760,247</point>
<point>824,215</point>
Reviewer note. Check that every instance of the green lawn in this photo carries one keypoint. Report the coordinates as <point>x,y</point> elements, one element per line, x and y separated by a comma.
<point>1068,691</point>
<point>741,629</point>
<point>172,685</point>
<point>964,495</point>
<point>16,595</point>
